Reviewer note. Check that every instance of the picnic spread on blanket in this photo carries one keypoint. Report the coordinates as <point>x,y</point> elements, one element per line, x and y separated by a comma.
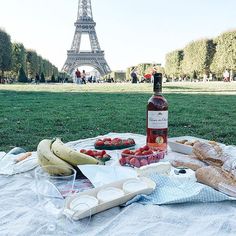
<point>192,170</point>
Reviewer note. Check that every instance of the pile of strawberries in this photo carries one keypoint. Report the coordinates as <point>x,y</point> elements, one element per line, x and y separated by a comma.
<point>140,157</point>
<point>100,155</point>
<point>115,143</point>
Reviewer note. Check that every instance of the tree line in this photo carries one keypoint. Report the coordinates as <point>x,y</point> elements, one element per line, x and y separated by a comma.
<point>198,59</point>
<point>203,58</point>
<point>20,64</point>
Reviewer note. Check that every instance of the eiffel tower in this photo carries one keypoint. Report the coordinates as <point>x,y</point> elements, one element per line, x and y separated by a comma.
<point>94,58</point>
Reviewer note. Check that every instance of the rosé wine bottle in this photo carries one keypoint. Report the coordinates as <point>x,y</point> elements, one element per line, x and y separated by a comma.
<point>157,117</point>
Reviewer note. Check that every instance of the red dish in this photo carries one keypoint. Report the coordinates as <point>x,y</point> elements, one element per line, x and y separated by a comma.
<point>115,143</point>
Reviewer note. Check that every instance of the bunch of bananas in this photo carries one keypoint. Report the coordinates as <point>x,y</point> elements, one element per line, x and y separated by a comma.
<point>53,152</point>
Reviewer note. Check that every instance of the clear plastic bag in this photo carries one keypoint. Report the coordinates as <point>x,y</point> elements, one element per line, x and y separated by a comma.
<point>230,163</point>
<point>52,192</point>
<point>227,189</point>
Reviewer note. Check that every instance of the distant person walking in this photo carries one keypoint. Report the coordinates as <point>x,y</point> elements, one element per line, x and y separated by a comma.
<point>94,79</point>
<point>134,77</point>
<point>83,77</point>
<point>77,77</point>
<point>226,76</point>
<point>37,78</point>
<point>231,76</point>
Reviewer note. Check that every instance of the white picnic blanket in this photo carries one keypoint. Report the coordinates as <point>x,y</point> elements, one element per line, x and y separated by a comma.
<point>20,214</point>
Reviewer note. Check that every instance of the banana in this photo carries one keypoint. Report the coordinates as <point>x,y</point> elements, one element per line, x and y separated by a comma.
<point>72,156</point>
<point>46,159</point>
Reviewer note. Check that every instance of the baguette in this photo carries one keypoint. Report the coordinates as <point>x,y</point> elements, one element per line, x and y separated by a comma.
<point>214,176</point>
<point>209,153</point>
<point>188,162</point>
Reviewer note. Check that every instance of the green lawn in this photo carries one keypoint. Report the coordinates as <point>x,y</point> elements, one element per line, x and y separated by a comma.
<point>30,113</point>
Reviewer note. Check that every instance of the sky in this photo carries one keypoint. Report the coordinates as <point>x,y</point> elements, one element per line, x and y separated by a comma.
<point>129,31</point>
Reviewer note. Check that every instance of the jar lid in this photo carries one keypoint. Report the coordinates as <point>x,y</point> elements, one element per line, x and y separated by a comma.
<point>109,194</point>
<point>83,203</point>
<point>135,185</point>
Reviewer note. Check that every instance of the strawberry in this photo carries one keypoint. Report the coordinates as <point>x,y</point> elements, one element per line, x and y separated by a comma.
<point>141,149</point>
<point>103,152</point>
<point>138,153</point>
<point>98,156</point>
<point>117,139</point>
<point>106,156</point>
<point>135,162</point>
<point>126,151</point>
<point>106,139</point>
<point>145,148</point>
<point>131,141</point>
<point>161,155</point>
<point>126,143</point>
<point>83,151</point>
<point>107,143</point>
<point>152,159</point>
<point>122,161</point>
<point>147,152</point>
<point>99,143</point>
<point>90,153</point>
<point>117,144</point>
<point>127,158</point>
<point>143,162</point>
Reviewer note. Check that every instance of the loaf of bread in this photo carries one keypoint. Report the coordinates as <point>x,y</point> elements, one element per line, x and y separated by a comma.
<point>214,176</point>
<point>188,162</point>
<point>212,154</point>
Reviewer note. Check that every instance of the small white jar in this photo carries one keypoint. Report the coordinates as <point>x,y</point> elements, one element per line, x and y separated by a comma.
<point>83,203</point>
<point>109,194</point>
<point>134,185</point>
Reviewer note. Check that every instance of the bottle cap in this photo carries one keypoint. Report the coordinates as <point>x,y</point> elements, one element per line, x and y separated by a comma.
<point>157,82</point>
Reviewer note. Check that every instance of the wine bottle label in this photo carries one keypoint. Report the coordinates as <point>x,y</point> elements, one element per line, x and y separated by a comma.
<point>157,119</point>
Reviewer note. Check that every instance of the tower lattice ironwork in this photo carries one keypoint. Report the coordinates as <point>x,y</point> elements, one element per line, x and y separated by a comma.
<point>76,57</point>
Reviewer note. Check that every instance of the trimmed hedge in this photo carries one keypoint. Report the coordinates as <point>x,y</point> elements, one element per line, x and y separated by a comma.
<point>202,57</point>
<point>225,55</point>
<point>174,61</point>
